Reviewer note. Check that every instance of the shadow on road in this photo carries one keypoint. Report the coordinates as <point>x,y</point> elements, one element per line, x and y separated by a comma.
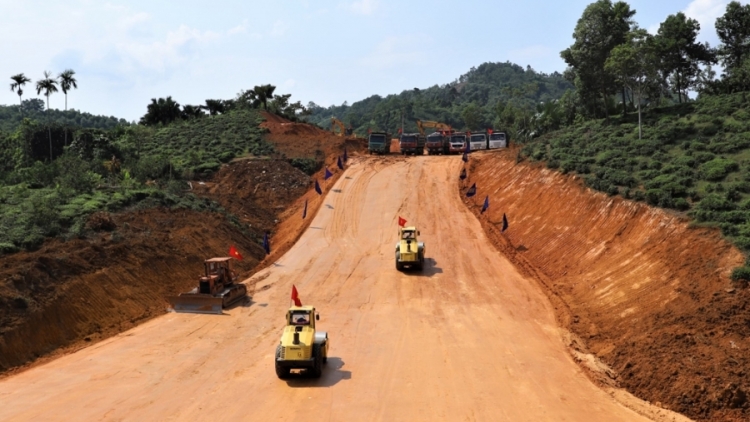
<point>329,206</point>
<point>332,375</point>
<point>430,269</point>
<point>336,190</point>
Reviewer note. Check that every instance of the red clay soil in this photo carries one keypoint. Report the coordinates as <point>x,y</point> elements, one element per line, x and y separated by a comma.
<point>641,290</point>
<point>67,295</point>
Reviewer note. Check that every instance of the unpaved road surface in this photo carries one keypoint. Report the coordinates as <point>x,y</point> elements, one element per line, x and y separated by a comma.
<point>467,339</point>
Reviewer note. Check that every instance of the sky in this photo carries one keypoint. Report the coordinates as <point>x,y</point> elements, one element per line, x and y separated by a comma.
<point>124,53</point>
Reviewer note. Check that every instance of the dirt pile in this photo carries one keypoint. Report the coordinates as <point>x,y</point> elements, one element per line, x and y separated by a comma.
<point>69,294</point>
<point>640,289</point>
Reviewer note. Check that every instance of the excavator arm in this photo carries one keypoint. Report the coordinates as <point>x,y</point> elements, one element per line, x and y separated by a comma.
<point>338,123</point>
<point>440,127</point>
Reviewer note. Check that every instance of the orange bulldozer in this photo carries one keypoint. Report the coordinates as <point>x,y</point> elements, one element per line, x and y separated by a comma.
<point>216,290</point>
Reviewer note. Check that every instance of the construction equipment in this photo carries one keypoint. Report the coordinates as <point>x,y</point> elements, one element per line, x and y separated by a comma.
<point>216,290</point>
<point>378,143</point>
<point>437,142</point>
<point>301,346</point>
<point>498,140</point>
<point>457,143</point>
<point>343,131</point>
<point>439,127</point>
<point>478,141</point>
<point>411,143</point>
<point>409,251</point>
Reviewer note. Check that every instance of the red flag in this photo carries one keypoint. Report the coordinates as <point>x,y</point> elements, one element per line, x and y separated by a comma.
<point>490,131</point>
<point>401,222</point>
<point>399,131</point>
<point>234,253</point>
<point>295,296</point>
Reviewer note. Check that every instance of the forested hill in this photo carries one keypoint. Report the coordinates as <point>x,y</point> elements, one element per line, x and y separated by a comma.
<point>12,115</point>
<point>473,101</point>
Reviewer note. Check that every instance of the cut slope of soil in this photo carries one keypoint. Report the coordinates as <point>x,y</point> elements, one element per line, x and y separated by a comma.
<point>641,290</point>
<point>69,294</point>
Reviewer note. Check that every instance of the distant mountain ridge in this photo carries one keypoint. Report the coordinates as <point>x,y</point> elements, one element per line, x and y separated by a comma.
<point>481,89</point>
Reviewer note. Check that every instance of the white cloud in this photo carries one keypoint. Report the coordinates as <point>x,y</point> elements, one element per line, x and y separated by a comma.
<point>289,84</point>
<point>363,7</point>
<point>706,12</point>
<point>159,55</point>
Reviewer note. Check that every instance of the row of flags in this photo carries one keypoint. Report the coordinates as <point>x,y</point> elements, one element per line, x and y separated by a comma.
<point>473,190</point>
<point>328,174</point>
<point>234,253</point>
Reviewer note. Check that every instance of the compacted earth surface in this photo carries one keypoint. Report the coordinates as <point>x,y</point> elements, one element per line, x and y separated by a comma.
<point>587,307</point>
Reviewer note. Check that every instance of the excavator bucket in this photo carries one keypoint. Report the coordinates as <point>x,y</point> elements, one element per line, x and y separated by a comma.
<point>198,304</point>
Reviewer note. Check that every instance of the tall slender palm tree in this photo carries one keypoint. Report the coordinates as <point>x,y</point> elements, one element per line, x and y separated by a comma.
<point>67,81</point>
<point>17,86</point>
<point>49,86</point>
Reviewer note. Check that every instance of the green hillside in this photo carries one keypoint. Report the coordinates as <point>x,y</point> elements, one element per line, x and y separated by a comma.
<point>473,101</point>
<point>11,117</point>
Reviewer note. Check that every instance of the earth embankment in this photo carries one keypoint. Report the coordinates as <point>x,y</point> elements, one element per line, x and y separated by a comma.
<point>639,288</point>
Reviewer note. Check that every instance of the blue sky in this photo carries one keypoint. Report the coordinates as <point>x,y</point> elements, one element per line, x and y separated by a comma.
<point>126,52</point>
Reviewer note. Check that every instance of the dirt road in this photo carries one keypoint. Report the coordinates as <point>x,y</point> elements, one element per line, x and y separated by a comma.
<point>467,339</point>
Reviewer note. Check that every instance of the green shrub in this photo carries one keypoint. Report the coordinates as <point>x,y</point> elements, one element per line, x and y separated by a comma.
<point>717,169</point>
<point>741,274</point>
<point>715,202</point>
<point>307,165</point>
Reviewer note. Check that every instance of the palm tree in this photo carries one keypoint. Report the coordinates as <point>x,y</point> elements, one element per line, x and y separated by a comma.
<point>17,86</point>
<point>264,93</point>
<point>49,86</point>
<point>67,81</point>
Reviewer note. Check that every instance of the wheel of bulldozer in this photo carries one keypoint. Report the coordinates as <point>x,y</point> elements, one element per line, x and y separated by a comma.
<point>317,368</point>
<point>399,266</point>
<point>281,371</point>
<point>325,355</point>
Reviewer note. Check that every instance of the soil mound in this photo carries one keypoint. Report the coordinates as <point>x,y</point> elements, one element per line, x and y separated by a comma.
<point>69,294</point>
<point>639,288</point>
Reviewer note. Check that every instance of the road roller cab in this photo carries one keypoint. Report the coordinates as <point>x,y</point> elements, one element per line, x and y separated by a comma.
<point>409,250</point>
<point>302,347</point>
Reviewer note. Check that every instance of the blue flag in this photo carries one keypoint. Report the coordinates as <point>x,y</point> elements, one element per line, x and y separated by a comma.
<point>304,211</point>
<point>317,188</point>
<point>266,245</point>
<point>463,174</point>
<point>505,223</point>
<point>346,158</point>
<point>472,190</point>
<point>468,147</point>
<point>328,174</point>
<point>340,164</point>
<point>465,158</point>
<point>486,204</point>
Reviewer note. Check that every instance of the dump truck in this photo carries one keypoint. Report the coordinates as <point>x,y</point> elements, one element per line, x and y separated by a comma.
<point>478,141</point>
<point>411,143</point>
<point>457,144</point>
<point>409,250</point>
<point>217,289</point>
<point>302,347</point>
<point>498,140</point>
<point>378,143</point>
<point>437,143</point>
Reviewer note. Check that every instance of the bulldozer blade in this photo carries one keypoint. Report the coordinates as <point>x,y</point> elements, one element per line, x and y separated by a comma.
<point>196,304</point>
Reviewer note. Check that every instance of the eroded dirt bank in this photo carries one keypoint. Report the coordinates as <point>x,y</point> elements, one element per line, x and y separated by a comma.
<point>640,289</point>
<point>68,295</point>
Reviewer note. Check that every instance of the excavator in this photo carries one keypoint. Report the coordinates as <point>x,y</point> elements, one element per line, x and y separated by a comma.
<point>437,142</point>
<point>343,131</point>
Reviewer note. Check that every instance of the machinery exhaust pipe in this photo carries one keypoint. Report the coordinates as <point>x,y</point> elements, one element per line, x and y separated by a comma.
<point>296,338</point>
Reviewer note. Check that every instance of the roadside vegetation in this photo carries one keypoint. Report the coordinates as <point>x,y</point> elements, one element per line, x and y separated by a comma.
<point>62,172</point>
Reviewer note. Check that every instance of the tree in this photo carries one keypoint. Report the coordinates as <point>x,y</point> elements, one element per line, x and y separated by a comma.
<point>680,54</point>
<point>734,32</point>
<point>162,111</point>
<point>602,26</point>
<point>634,64</point>
<point>49,86</point>
<point>192,112</point>
<point>214,107</point>
<point>67,81</point>
<point>264,93</point>
<point>472,116</point>
<point>17,86</point>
